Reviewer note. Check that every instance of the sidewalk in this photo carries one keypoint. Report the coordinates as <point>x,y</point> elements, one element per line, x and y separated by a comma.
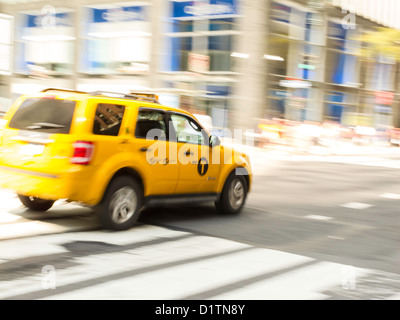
<point>342,148</point>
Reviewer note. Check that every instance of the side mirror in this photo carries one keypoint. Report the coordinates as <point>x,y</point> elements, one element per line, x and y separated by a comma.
<point>214,141</point>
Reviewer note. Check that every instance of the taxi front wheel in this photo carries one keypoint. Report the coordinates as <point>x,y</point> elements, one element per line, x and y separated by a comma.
<point>121,204</point>
<point>233,195</point>
<point>36,204</point>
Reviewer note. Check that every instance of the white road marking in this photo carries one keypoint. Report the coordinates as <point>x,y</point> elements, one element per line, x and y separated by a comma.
<point>173,265</point>
<point>393,196</point>
<point>6,217</point>
<point>187,279</point>
<point>29,228</point>
<point>17,221</point>
<point>162,269</point>
<point>394,297</point>
<point>336,238</point>
<point>317,217</point>
<point>24,247</point>
<point>91,266</point>
<point>305,283</point>
<point>357,205</point>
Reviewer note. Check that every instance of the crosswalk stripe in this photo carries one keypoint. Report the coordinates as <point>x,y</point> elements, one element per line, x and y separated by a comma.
<point>149,262</point>
<point>23,248</point>
<point>304,283</point>
<point>19,248</point>
<point>6,217</point>
<point>186,278</point>
<point>100,266</point>
<point>29,228</point>
<point>238,285</point>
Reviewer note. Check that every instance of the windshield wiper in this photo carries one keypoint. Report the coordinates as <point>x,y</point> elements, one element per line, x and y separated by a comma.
<point>44,125</point>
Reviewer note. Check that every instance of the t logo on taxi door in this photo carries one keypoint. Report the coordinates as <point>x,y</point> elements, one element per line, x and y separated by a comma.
<point>202,166</point>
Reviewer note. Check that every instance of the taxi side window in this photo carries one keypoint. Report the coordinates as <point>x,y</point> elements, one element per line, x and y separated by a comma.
<point>108,119</point>
<point>151,125</point>
<point>187,130</point>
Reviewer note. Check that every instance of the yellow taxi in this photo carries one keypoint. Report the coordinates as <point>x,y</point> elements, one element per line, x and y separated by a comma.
<point>117,153</point>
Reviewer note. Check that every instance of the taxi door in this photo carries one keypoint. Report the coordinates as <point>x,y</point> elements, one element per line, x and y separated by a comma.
<point>151,147</point>
<point>198,171</point>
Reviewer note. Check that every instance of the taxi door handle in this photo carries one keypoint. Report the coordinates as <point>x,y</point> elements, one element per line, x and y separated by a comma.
<point>188,153</point>
<point>144,149</point>
<point>124,141</point>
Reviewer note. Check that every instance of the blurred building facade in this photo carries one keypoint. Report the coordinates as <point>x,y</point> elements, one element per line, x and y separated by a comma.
<point>236,60</point>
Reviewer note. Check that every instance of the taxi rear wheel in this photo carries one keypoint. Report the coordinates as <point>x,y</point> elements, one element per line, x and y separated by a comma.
<point>233,195</point>
<point>121,204</point>
<point>36,204</point>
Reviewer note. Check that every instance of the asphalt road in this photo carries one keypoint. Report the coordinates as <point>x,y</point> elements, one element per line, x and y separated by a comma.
<point>340,212</point>
<point>305,216</point>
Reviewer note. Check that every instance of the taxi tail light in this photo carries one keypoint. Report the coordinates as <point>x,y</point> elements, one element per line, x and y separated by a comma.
<point>83,152</point>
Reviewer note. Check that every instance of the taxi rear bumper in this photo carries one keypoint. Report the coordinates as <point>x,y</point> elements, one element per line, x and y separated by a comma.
<point>49,186</point>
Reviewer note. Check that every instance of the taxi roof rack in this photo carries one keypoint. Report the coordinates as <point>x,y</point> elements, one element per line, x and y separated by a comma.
<point>63,90</point>
<point>134,96</point>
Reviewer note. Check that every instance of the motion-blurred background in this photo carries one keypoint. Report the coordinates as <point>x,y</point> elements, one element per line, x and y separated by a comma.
<point>269,65</point>
<point>319,78</point>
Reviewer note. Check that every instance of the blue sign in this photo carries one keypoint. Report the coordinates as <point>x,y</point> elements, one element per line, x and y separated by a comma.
<point>120,14</point>
<point>214,90</point>
<point>204,8</point>
<point>48,20</point>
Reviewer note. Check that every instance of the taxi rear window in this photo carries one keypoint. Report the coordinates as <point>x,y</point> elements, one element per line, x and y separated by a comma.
<point>44,115</point>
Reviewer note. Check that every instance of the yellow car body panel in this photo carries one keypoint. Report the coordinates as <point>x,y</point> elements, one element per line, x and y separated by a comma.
<point>234,161</point>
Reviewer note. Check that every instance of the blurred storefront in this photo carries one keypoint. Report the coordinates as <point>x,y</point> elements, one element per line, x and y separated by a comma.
<point>295,54</point>
<point>231,59</point>
<point>44,42</point>
<point>316,69</point>
<point>6,58</point>
<point>116,39</point>
<point>199,41</point>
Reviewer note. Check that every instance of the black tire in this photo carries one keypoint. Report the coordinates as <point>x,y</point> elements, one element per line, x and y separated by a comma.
<point>233,196</point>
<point>121,204</point>
<point>36,204</point>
